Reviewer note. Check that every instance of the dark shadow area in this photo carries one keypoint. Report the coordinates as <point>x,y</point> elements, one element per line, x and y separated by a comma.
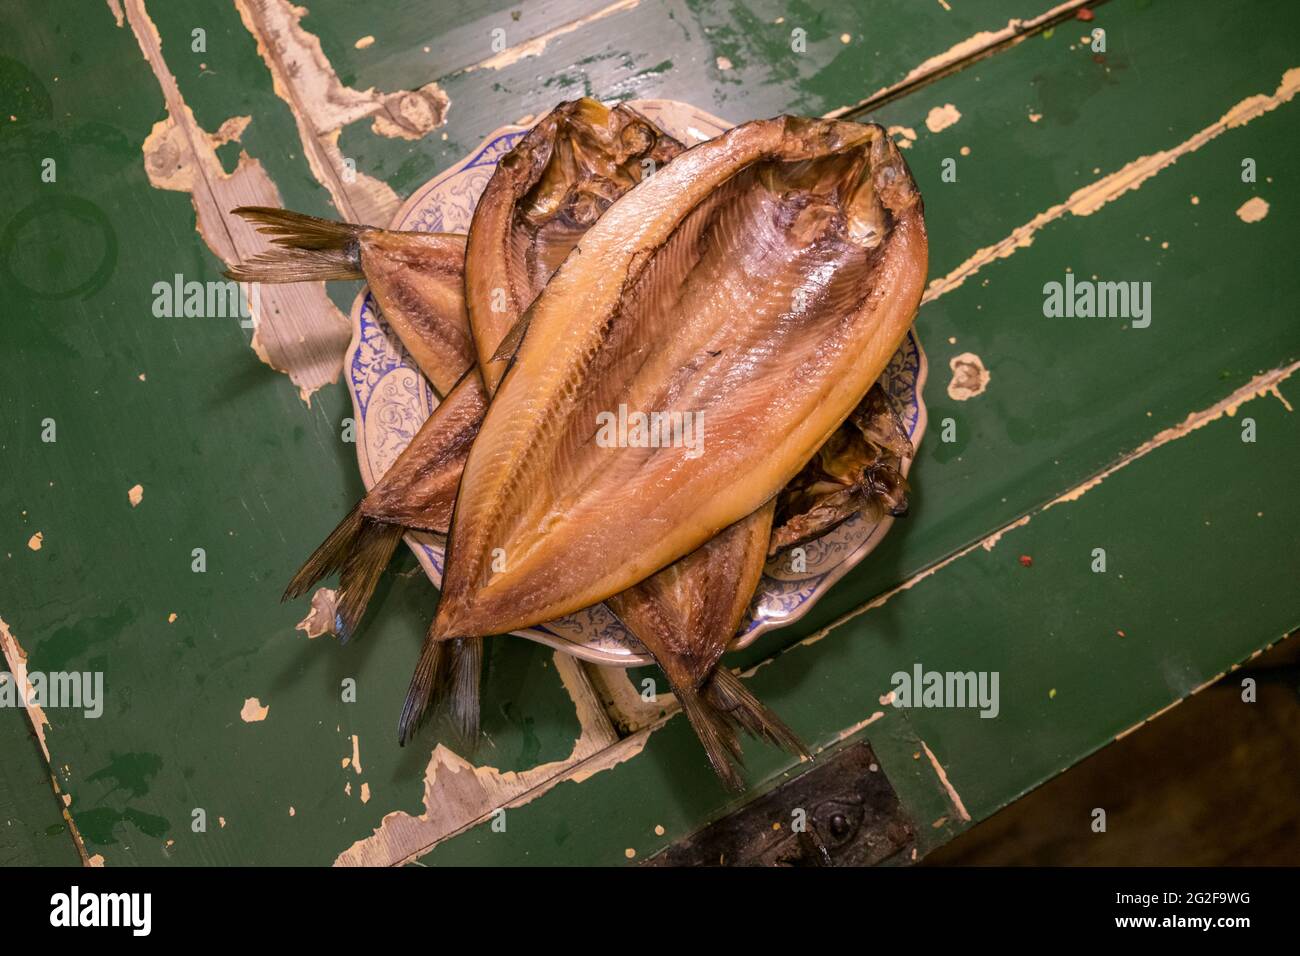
<point>1212,782</point>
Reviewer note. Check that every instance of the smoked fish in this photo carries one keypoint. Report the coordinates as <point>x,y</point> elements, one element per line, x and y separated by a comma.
<point>759,282</point>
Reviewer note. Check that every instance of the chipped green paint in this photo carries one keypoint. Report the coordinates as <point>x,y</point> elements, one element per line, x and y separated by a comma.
<point>234,462</point>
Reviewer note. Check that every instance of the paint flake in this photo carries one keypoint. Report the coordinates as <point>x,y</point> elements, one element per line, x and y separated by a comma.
<point>1253,209</point>
<point>969,376</point>
<point>253,711</point>
<point>941,117</point>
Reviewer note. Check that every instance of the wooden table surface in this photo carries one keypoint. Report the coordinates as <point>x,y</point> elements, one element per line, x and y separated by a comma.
<point>1124,165</point>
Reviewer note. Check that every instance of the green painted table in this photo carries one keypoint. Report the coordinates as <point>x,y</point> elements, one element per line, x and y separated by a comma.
<point>129,440</point>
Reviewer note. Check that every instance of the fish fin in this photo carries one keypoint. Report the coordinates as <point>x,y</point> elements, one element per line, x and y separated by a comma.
<point>430,673</point>
<point>717,738</point>
<point>313,249</point>
<point>447,673</point>
<point>329,557</point>
<point>370,551</point>
<point>513,339</point>
<point>296,265</point>
<point>359,548</point>
<point>461,692</point>
<point>735,703</point>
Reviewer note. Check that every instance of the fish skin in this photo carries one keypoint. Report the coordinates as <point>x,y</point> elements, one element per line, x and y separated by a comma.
<point>686,614</point>
<point>419,489</point>
<point>415,277</point>
<point>417,280</point>
<point>543,196</point>
<point>858,471</point>
<point>538,203</point>
<point>561,553</point>
<point>689,611</point>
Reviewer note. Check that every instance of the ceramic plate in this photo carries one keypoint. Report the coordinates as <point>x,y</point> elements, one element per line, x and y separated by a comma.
<point>392,400</point>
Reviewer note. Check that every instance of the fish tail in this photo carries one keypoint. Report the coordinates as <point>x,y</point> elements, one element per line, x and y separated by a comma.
<point>462,688</point>
<point>308,248</point>
<point>446,673</point>
<point>716,736</point>
<point>430,673</point>
<point>329,557</point>
<point>736,704</point>
<point>359,548</point>
<point>370,552</point>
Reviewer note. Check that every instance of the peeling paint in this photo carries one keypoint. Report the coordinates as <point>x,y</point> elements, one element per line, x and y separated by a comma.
<point>849,731</point>
<point>297,328</point>
<point>1142,723</point>
<point>16,661</point>
<point>253,711</point>
<point>322,616</point>
<point>991,542</point>
<point>537,45</point>
<point>1259,386</point>
<point>973,47</point>
<point>905,136</point>
<point>305,78</point>
<point>1266,384</point>
<point>941,117</point>
<point>457,794</point>
<point>35,541</point>
<point>1088,199</point>
<point>942,774</point>
<point>622,699</point>
<point>1253,210</point>
<point>15,658</point>
<point>356,754</point>
<point>135,495</point>
<point>969,377</point>
<point>322,106</point>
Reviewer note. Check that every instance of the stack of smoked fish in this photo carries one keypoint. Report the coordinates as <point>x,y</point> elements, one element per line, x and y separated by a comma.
<point>757,283</point>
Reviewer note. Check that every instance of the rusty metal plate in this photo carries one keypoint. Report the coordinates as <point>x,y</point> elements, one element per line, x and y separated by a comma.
<point>842,812</point>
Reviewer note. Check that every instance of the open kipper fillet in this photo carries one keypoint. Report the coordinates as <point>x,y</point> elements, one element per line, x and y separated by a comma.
<point>760,280</point>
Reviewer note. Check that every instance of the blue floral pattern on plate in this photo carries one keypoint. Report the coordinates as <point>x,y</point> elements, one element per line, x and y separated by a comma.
<point>391,400</point>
